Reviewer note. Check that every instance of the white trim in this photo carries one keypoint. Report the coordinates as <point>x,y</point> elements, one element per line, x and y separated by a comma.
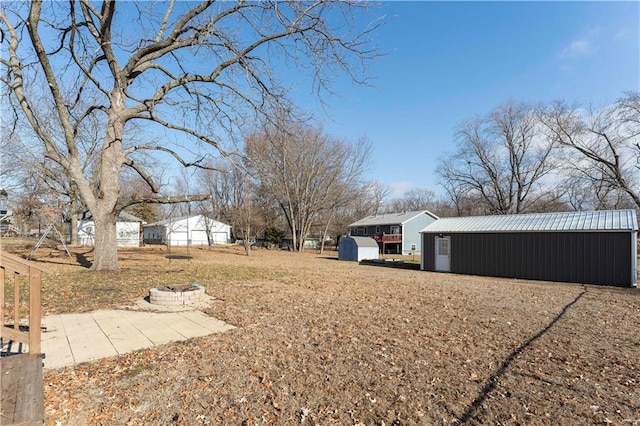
<point>422,257</point>
<point>439,267</point>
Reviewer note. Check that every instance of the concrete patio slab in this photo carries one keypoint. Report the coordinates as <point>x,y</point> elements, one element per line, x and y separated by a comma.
<point>72,339</point>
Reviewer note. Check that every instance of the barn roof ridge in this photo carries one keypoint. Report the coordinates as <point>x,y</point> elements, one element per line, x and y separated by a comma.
<point>171,220</point>
<point>574,221</point>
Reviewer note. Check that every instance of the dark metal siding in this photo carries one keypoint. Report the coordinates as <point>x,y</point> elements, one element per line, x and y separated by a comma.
<point>428,252</point>
<point>580,257</point>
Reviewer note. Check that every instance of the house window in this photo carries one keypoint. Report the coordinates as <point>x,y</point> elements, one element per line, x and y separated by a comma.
<point>377,229</point>
<point>395,229</point>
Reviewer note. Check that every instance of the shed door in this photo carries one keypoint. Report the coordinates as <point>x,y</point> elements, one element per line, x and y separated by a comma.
<point>443,254</point>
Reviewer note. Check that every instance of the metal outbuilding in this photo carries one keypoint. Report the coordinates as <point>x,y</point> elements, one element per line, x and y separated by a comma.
<point>197,230</point>
<point>357,248</point>
<point>595,247</point>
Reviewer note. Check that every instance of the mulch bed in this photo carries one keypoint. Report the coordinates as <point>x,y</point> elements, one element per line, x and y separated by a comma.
<point>320,341</point>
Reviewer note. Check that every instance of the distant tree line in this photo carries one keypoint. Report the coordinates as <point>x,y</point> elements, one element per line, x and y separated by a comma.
<point>523,158</point>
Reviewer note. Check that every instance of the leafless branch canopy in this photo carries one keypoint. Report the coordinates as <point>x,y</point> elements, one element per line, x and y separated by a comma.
<point>179,79</point>
<point>603,145</point>
<point>195,73</point>
<point>501,161</point>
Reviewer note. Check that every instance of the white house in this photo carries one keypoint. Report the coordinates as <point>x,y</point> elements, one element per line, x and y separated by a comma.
<point>127,230</point>
<point>187,230</point>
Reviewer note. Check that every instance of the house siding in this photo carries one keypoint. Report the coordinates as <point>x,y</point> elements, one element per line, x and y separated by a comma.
<point>370,230</point>
<point>411,233</point>
<point>127,233</point>
<point>580,257</point>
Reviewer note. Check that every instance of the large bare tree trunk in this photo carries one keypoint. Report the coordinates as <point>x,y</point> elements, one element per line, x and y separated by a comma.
<point>73,196</point>
<point>104,206</point>
<point>105,244</point>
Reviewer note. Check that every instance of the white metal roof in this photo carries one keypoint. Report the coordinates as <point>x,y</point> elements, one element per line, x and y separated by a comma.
<point>595,221</point>
<point>363,241</point>
<point>391,218</point>
<point>173,220</point>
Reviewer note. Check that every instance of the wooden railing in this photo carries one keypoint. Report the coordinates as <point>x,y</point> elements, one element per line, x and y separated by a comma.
<point>12,266</point>
<point>387,238</point>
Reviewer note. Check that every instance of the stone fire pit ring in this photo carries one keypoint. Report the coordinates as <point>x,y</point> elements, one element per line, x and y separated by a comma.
<point>176,294</point>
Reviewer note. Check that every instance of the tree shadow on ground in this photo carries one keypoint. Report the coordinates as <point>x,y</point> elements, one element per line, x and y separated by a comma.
<point>492,381</point>
<point>82,260</point>
<point>61,259</point>
<point>179,257</point>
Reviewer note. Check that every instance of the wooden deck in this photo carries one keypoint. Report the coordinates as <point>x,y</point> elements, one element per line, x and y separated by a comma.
<point>22,400</point>
<point>22,397</point>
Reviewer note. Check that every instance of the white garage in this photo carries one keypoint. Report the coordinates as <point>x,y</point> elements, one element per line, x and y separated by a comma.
<point>195,230</point>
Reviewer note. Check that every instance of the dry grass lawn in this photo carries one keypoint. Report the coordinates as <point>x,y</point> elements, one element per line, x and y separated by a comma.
<point>319,341</point>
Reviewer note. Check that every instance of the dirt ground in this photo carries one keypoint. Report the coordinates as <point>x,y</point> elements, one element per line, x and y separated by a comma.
<point>320,341</point>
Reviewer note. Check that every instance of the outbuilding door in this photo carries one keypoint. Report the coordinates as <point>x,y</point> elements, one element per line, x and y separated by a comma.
<point>443,254</point>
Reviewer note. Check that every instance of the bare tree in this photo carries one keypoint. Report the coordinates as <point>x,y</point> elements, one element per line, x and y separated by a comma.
<point>306,171</point>
<point>372,198</point>
<point>188,72</point>
<point>353,161</point>
<point>233,199</point>
<point>501,161</point>
<point>603,147</point>
<point>415,199</point>
<point>223,182</point>
<point>28,170</point>
<point>367,199</point>
<point>590,191</point>
<point>249,222</point>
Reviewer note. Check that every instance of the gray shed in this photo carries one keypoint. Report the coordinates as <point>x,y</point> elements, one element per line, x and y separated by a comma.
<point>596,247</point>
<point>357,248</point>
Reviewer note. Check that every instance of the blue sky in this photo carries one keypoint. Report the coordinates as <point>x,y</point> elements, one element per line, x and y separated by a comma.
<point>449,61</point>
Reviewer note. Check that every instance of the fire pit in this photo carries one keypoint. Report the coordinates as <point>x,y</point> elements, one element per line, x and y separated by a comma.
<point>176,294</point>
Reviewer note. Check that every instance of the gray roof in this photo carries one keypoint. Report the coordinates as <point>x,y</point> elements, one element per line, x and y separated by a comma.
<point>122,217</point>
<point>601,220</point>
<point>173,220</point>
<point>391,218</point>
<point>364,241</point>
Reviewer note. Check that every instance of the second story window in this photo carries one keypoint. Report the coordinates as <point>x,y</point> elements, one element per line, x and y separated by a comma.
<point>377,229</point>
<point>395,229</point>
